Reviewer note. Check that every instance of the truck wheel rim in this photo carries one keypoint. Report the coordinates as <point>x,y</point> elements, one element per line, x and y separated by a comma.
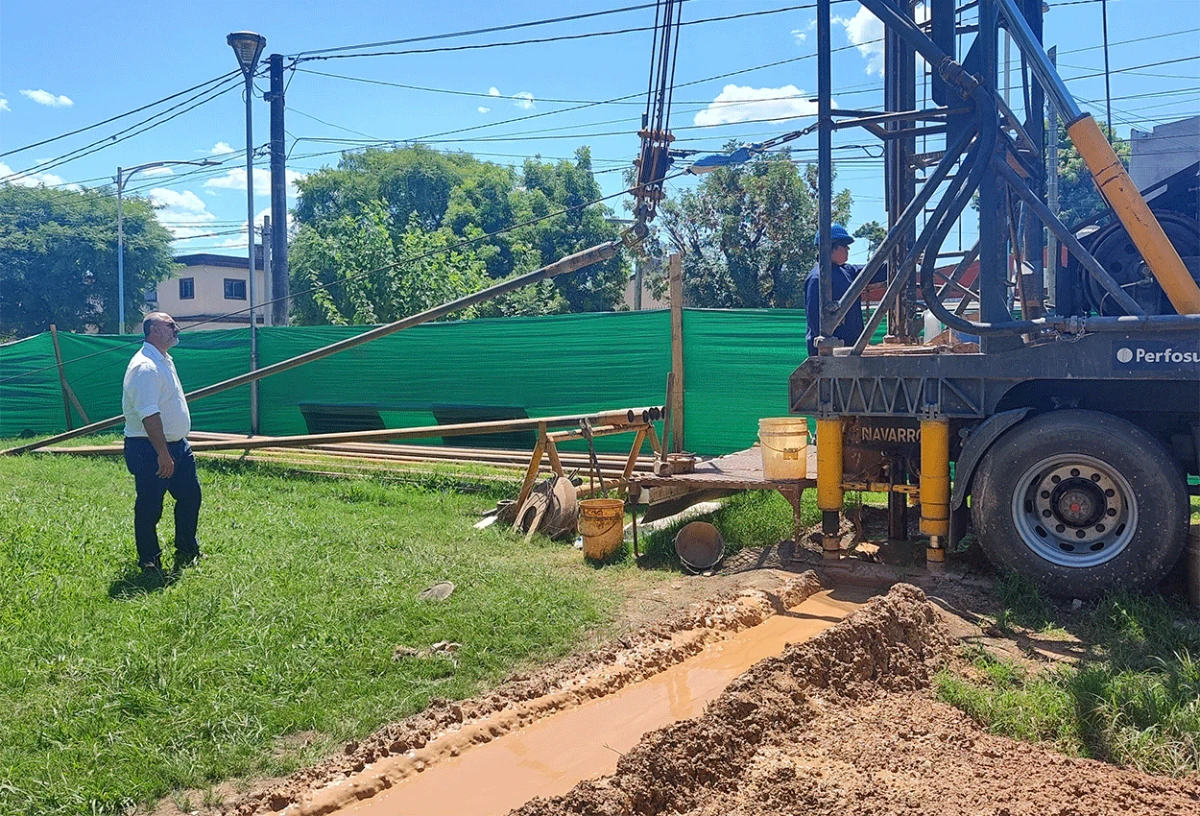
<point>1075,510</point>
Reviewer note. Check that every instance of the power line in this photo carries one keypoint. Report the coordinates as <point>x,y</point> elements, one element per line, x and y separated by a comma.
<point>118,116</point>
<point>472,32</point>
<point>109,141</point>
<point>559,38</point>
<point>1129,69</point>
<point>1134,40</point>
<point>555,100</point>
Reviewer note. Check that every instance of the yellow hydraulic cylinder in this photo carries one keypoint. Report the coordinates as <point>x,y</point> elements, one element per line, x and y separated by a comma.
<point>829,464</point>
<point>935,485</point>
<point>1147,234</point>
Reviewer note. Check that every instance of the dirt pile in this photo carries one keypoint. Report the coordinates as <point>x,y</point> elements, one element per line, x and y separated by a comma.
<point>844,724</point>
<point>412,745</point>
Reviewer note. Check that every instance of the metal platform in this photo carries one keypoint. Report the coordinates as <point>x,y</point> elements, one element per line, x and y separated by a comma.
<point>714,479</point>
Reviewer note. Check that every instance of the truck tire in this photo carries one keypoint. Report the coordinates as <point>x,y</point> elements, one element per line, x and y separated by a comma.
<point>1082,503</point>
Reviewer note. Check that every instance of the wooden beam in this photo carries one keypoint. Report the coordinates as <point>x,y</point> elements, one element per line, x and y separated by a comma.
<point>423,432</point>
<point>68,393</point>
<point>62,378</point>
<point>675,271</point>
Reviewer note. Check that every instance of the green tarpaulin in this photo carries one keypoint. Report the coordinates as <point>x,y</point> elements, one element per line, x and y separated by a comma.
<point>737,365</point>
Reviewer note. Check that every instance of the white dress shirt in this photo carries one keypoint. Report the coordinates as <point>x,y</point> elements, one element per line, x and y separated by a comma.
<point>152,387</point>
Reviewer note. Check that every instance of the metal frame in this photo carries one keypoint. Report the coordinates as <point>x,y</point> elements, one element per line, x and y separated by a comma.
<point>998,161</point>
<point>990,156</point>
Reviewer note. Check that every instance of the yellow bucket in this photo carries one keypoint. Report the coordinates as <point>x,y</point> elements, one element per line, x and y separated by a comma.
<point>784,444</point>
<point>1192,558</point>
<point>602,525</point>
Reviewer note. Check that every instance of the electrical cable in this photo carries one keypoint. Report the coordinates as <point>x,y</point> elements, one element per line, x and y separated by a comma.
<point>559,38</point>
<point>473,32</point>
<point>109,141</point>
<point>118,116</point>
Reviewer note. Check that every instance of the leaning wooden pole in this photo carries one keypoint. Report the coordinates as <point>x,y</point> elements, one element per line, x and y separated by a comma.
<point>62,377</point>
<point>675,279</point>
<point>571,263</point>
<point>626,417</point>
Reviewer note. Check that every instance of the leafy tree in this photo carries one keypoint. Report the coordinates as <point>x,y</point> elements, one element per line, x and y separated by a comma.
<point>1078,198</point>
<point>58,258</point>
<point>416,189</point>
<point>355,271</point>
<point>746,233</point>
<point>874,232</point>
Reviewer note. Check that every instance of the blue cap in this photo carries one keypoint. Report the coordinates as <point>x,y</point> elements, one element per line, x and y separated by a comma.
<point>837,235</point>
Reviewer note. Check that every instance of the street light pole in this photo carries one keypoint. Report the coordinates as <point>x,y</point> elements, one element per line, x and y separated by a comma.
<point>122,177</point>
<point>248,47</point>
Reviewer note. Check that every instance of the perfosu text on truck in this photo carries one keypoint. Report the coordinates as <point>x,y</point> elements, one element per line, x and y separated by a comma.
<point>1170,355</point>
<point>1151,354</point>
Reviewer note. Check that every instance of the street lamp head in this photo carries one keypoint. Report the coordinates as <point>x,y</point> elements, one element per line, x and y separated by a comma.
<point>248,47</point>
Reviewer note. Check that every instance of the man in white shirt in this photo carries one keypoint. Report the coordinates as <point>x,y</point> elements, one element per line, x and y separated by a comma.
<point>157,423</point>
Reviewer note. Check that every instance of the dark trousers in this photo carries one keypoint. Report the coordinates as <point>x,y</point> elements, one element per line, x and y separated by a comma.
<point>142,461</point>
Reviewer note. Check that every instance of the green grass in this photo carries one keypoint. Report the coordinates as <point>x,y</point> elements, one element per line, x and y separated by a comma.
<point>115,692</point>
<point>755,518</point>
<point>1133,699</point>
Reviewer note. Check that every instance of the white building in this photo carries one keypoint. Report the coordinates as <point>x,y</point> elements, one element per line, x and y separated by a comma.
<point>1163,151</point>
<point>212,291</point>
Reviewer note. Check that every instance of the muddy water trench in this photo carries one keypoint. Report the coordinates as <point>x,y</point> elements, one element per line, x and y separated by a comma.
<point>552,754</point>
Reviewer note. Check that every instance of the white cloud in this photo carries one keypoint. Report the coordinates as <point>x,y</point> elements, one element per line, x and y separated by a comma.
<point>493,91</point>
<point>739,103</point>
<point>48,99</point>
<point>221,148</point>
<point>34,179</point>
<point>4,103</point>
<point>235,179</point>
<point>182,212</point>
<point>524,100</point>
<point>865,30</point>
<point>799,35</point>
<point>482,109</point>
<point>157,171</point>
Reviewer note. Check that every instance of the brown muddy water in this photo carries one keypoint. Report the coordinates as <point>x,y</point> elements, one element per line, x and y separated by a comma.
<point>553,754</point>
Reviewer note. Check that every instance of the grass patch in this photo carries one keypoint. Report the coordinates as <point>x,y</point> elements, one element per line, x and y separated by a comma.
<point>755,518</point>
<point>116,692</point>
<point>1133,699</point>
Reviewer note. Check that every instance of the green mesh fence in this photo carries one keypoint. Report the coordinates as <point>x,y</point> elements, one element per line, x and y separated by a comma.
<point>737,365</point>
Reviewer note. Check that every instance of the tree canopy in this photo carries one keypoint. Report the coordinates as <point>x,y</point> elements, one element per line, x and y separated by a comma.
<point>747,234</point>
<point>58,258</point>
<point>1078,198</point>
<point>370,224</point>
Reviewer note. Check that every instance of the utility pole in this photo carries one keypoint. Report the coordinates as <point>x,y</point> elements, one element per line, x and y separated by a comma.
<point>247,47</point>
<point>268,261</point>
<point>280,286</point>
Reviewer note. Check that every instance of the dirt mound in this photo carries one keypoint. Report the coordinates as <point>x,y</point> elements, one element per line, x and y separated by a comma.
<point>844,724</point>
<point>888,644</point>
<point>440,730</point>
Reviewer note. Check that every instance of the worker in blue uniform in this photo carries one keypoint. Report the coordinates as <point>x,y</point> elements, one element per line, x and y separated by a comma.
<point>844,274</point>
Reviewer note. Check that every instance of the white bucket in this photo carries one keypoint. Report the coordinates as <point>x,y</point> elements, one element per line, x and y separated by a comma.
<point>784,445</point>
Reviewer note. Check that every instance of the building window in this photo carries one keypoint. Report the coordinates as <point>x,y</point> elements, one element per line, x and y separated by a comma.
<point>235,289</point>
<point>187,288</point>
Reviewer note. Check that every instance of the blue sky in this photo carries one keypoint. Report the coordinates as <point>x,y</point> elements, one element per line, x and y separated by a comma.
<point>69,63</point>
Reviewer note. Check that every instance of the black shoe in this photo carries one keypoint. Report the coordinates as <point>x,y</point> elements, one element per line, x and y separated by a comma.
<point>187,559</point>
<point>152,568</point>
